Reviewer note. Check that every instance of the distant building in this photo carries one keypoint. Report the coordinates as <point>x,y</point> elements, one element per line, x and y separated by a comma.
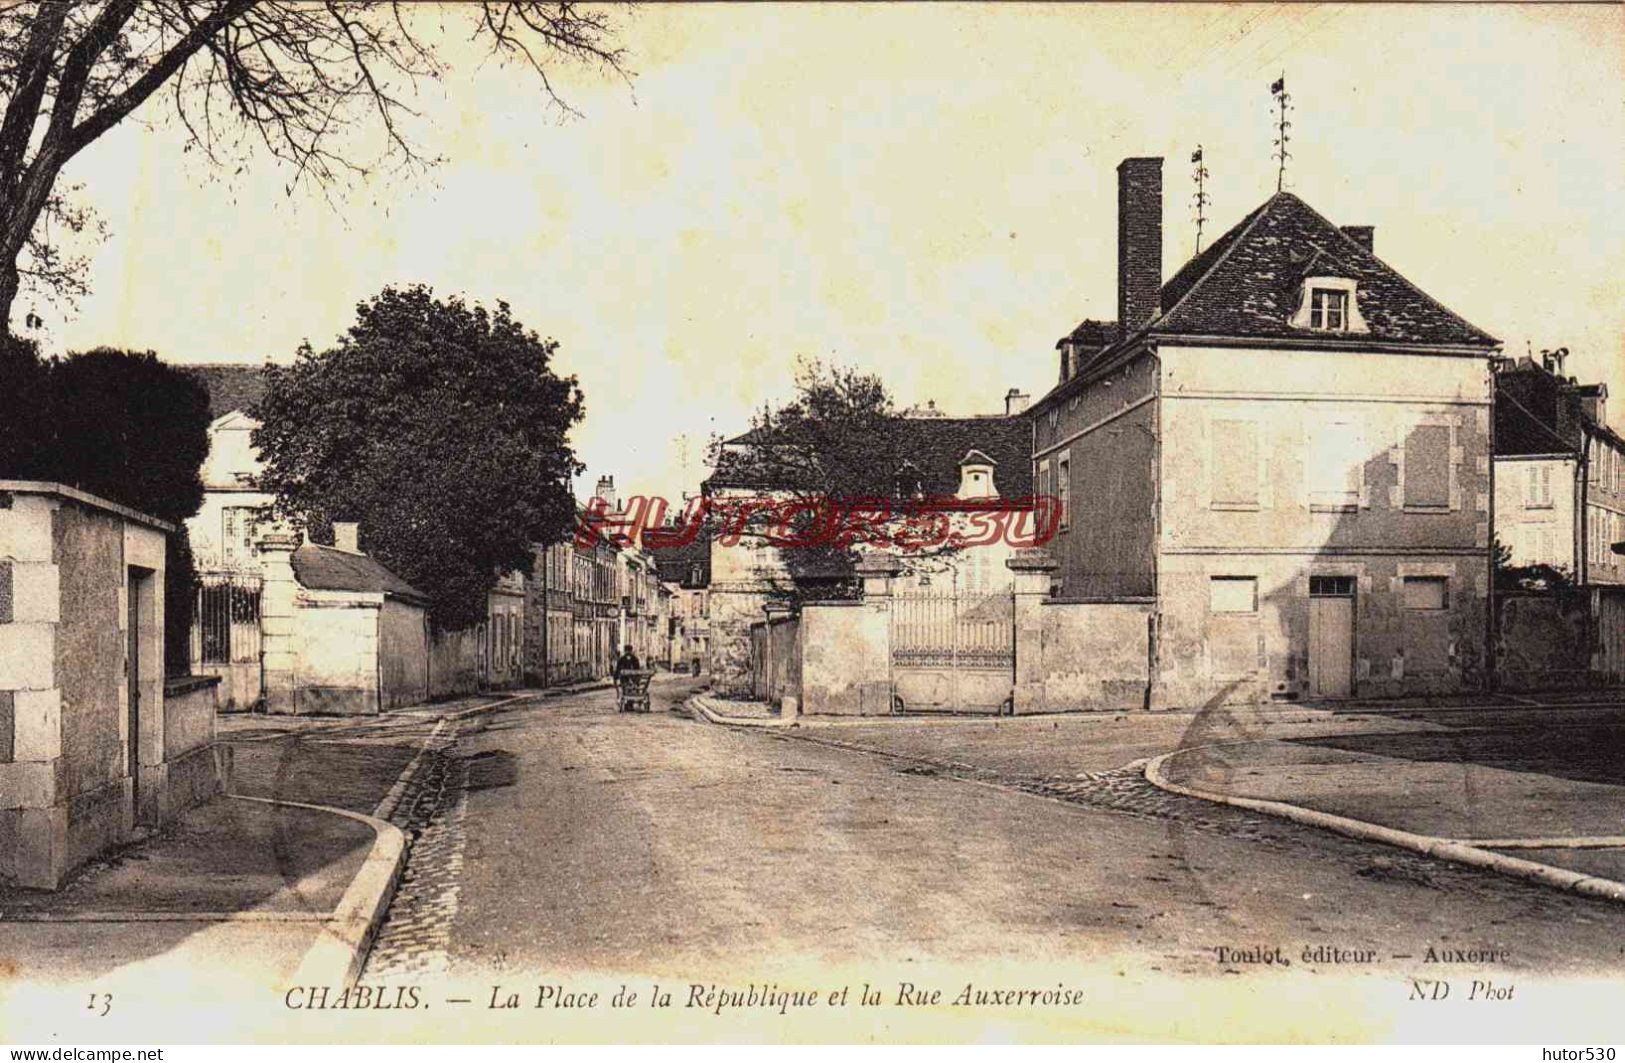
<point>686,570</point>
<point>588,598</point>
<point>969,460</point>
<point>1559,474</point>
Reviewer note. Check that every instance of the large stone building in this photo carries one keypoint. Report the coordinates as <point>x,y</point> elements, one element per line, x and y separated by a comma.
<point>1283,451</point>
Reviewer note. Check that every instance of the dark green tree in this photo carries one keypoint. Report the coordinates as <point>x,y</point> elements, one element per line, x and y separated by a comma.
<point>119,424</point>
<point>836,437</point>
<point>441,428</point>
<point>836,442</point>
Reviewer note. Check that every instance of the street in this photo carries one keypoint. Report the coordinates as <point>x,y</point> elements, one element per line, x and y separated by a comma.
<point>573,838</point>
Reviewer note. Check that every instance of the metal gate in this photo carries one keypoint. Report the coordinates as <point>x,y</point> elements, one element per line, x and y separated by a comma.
<point>226,635</point>
<point>952,651</point>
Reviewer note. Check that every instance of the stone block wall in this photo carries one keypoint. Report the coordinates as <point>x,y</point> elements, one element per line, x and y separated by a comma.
<point>74,780</point>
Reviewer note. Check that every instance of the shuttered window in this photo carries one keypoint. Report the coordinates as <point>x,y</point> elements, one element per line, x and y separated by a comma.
<point>1334,467</point>
<point>1234,460</point>
<point>1427,466</point>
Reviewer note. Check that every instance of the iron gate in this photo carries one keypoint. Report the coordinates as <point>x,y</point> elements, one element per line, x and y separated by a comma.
<point>952,651</point>
<point>226,635</point>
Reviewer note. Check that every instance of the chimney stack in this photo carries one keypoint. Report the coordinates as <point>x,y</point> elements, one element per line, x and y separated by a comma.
<point>1593,402</point>
<point>1139,242</point>
<point>1016,401</point>
<point>1364,235</point>
<point>347,536</point>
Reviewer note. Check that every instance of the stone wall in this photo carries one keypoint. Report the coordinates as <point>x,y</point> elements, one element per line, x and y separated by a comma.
<point>337,653</point>
<point>845,662</point>
<point>454,663</point>
<point>1094,656</point>
<point>74,778</point>
<point>1544,640</point>
<point>403,646</point>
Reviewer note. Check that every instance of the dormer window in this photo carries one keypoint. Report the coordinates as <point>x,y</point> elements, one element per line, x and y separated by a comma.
<point>1329,309</point>
<point>1329,304</point>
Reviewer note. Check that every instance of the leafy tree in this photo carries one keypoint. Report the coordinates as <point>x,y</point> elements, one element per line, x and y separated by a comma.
<point>837,437</point>
<point>836,441</point>
<point>441,429</point>
<point>119,424</point>
<point>293,78</point>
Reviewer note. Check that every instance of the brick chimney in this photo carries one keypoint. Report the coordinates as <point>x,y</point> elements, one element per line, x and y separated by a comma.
<point>1016,401</point>
<point>1593,402</point>
<point>1364,235</point>
<point>347,536</point>
<point>1139,242</point>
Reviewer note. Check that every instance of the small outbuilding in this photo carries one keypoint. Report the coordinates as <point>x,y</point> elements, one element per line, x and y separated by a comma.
<point>91,746</point>
<point>342,634</point>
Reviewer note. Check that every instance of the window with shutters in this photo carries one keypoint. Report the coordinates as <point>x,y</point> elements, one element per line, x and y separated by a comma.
<point>1334,466</point>
<point>1538,486</point>
<point>1233,464</point>
<point>1427,593</point>
<point>1427,467</point>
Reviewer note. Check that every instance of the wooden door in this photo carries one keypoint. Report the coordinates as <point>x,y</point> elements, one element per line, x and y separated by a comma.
<point>1331,646</point>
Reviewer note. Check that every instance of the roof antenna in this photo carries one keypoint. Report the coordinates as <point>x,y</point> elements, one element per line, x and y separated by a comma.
<point>1282,136</point>
<point>1200,200</point>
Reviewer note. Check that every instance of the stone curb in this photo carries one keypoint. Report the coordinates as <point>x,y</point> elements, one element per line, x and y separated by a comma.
<point>341,948</point>
<point>341,945</point>
<point>580,688</point>
<point>1426,844</point>
<point>701,707</point>
<point>167,917</point>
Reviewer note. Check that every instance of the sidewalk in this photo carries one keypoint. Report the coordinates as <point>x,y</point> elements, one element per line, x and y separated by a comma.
<point>222,910</point>
<point>1546,787</point>
<point>249,892</point>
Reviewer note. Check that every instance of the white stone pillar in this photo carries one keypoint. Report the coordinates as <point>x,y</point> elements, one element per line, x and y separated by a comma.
<point>278,608</point>
<point>1032,568</point>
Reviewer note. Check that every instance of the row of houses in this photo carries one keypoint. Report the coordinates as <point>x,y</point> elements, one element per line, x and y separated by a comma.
<point>302,627</point>
<point>1282,472</point>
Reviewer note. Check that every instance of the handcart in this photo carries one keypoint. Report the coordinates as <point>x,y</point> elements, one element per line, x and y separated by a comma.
<point>633,690</point>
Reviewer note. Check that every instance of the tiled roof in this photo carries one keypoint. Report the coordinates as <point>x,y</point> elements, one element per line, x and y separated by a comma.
<point>1091,334</point>
<point>323,568</point>
<point>1247,284</point>
<point>935,446</point>
<point>231,386</point>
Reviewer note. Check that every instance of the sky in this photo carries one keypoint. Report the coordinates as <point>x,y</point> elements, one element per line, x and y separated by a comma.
<point>925,192</point>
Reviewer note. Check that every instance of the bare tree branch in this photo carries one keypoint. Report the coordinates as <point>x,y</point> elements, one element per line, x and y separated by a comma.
<point>294,78</point>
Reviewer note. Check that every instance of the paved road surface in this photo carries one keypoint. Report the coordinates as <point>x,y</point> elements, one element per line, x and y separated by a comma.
<point>572,838</point>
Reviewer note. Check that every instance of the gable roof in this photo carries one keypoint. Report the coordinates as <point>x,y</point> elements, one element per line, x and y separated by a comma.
<point>1247,284</point>
<point>231,386</point>
<point>325,568</point>
<point>935,446</point>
